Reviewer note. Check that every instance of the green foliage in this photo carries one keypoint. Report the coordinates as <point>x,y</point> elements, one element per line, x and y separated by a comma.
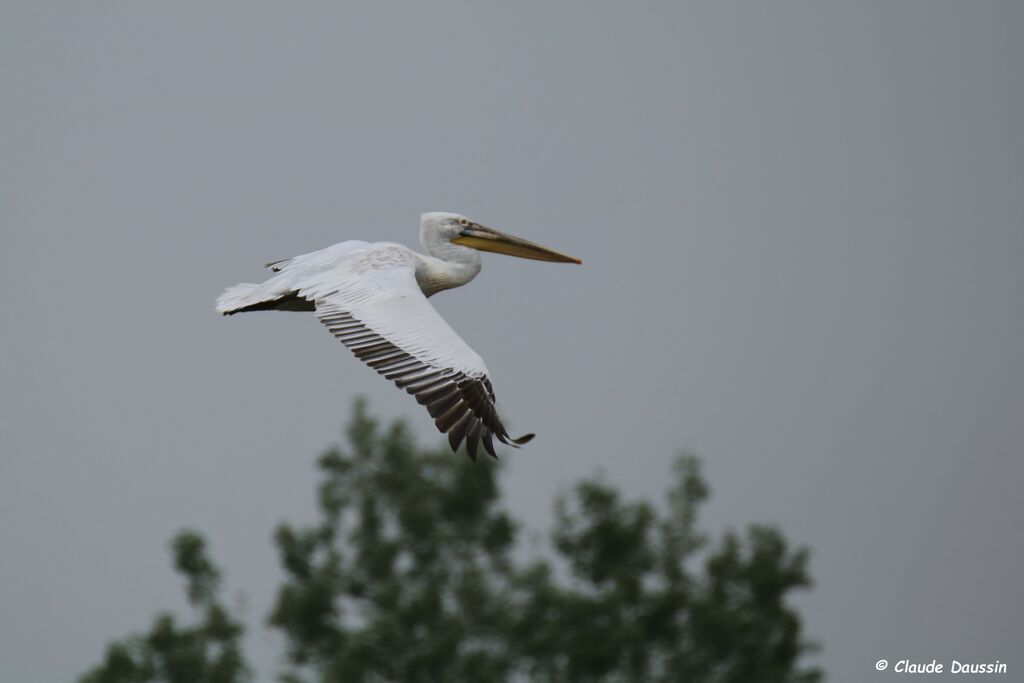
<point>411,574</point>
<point>634,611</point>
<point>403,579</point>
<point>206,652</point>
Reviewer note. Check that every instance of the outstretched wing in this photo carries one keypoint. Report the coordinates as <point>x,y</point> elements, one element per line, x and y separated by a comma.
<point>374,305</point>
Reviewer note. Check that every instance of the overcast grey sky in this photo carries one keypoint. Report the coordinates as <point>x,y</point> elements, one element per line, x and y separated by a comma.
<point>802,229</point>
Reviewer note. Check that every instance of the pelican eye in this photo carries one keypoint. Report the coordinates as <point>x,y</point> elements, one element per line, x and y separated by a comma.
<point>464,222</point>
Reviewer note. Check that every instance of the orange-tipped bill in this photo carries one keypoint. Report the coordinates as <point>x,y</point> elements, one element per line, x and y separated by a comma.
<point>488,239</point>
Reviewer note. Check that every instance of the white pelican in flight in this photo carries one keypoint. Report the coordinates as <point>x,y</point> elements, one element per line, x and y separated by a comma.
<point>373,297</point>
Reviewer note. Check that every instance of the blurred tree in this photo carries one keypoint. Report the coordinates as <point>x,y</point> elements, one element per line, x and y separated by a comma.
<point>410,574</point>
<point>207,652</point>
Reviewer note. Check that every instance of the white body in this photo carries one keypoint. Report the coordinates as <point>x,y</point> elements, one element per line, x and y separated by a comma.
<point>373,296</point>
<point>383,284</point>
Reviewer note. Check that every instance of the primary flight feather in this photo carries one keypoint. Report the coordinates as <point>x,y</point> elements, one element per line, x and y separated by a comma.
<point>373,297</point>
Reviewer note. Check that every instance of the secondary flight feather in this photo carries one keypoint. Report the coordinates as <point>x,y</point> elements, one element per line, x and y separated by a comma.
<point>373,298</point>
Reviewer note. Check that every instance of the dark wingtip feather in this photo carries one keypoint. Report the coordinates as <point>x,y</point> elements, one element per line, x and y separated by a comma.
<point>489,444</point>
<point>473,439</point>
<point>457,433</point>
<point>525,438</point>
<point>454,440</point>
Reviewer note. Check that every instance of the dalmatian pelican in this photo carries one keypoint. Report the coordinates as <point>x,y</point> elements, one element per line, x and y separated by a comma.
<point>373,297</point>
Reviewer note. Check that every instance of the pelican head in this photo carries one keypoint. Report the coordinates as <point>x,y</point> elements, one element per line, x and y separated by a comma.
<point>452,228</point>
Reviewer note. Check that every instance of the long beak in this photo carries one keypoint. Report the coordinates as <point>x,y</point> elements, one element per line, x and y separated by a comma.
<point>488,239</point>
